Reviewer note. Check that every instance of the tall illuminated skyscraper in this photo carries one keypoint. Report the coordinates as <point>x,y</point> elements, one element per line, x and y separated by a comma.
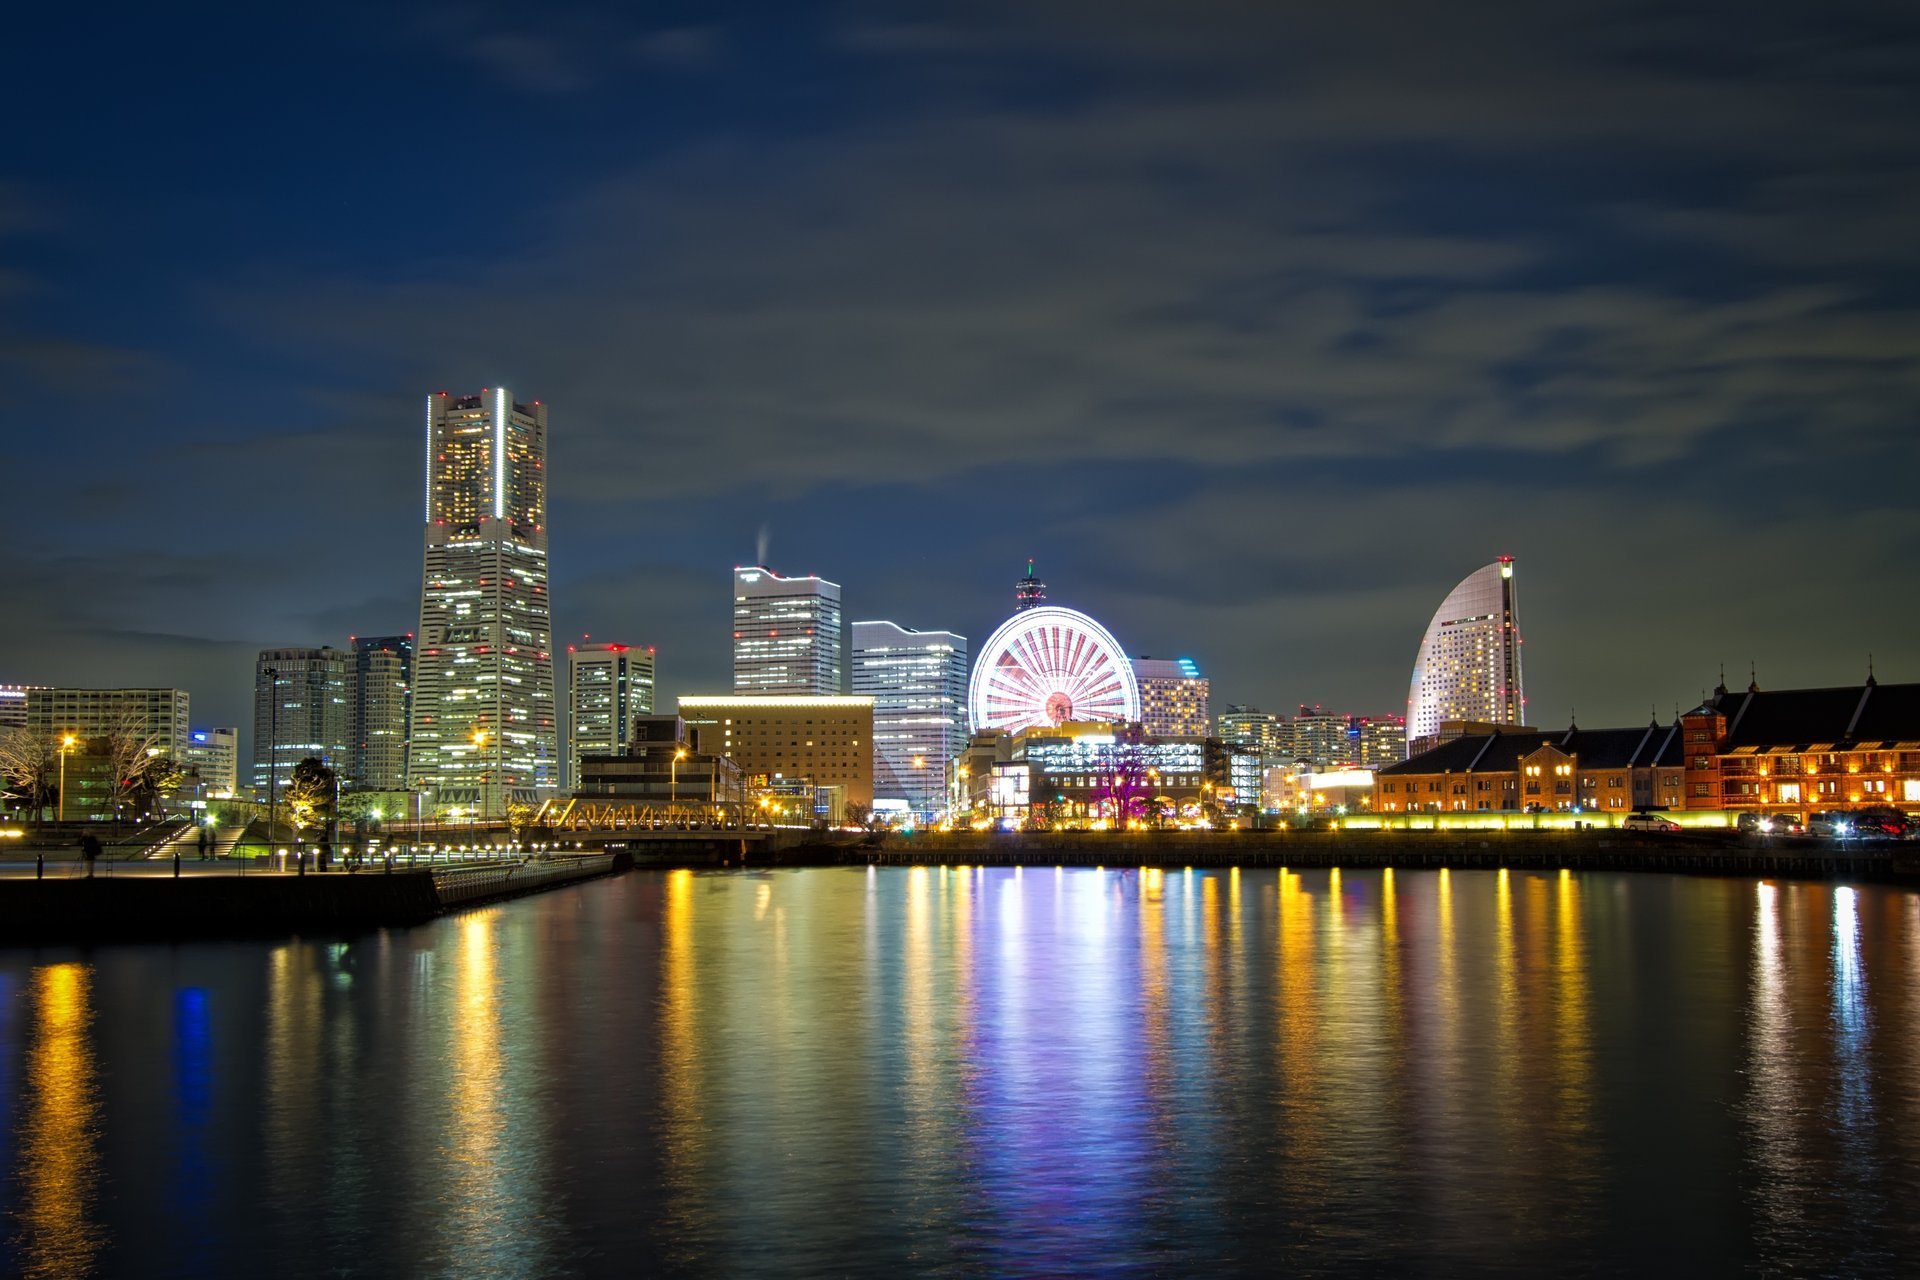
<point>786,634</point>
<point>918,683</point>
<point>483,727</point>
<point>377,693</point>
<point>1468,667</point>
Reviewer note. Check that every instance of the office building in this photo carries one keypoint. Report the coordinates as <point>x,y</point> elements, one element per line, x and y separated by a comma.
<point>300,709</point>
<point>13,705</point>
<point>823,742</point>
<point>662,769</point>
<point>1173,697</point>
<point>161,715</point>
<point>918,683</point>
<point>483,728</point>
<point>380,695</point>
<point>787,635</point>
<point>212,755</point>
<point>1468,666</point>
<point>1029,592</point>
<point>607,686</point>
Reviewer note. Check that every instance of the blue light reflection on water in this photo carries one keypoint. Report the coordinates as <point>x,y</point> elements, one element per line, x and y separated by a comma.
<point>991,1071</point>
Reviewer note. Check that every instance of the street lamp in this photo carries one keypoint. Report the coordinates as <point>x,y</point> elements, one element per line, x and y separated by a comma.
<point>486,775</point>
<point>66,746</point>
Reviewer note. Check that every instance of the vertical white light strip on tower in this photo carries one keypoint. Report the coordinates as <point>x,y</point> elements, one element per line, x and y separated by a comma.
<point>429,467</point>
<point>500,403</point>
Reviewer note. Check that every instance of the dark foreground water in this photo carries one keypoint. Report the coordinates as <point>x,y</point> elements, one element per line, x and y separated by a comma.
<point>989,1072</point>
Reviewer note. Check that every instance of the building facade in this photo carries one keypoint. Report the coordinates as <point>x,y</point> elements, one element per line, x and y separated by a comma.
<point>787,635</point>
<point>1468,666</point>
<point>1173,697</point>
<point>1803,751</point>
<point>300,709</point>
<point>483,726</point>
<point>918,683</point>
<point>1600,771</point>
<point>825,742</point>
<point>607,686</point>
<point>380,693</point>
<point>160,714</point>
<point>213,754</point>
<point>13,705</point>
<point>661,767</point>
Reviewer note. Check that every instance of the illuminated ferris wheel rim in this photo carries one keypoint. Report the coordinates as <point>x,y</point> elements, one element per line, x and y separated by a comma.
<point>1048,664</point>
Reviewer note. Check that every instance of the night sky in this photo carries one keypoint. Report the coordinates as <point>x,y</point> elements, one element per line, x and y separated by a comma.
<point>1257,325</point>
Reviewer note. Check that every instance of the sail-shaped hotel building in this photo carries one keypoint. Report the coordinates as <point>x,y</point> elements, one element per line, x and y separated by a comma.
<point>1469,662</point>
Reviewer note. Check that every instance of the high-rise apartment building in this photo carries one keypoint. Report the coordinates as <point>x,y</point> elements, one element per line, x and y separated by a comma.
<point>1468,667</point>
<point>1244,726</point>
<point>786,635</point>
<point>1382,740</point>
<point>380,695</point>
<point>1323,738</point>
<point>300,709</point>
<point>213,754</point>
<point>161,714</point>
<point>1173,697</point>
<point>483,726</point>
<point>918,683</point>
<point>607,686</point>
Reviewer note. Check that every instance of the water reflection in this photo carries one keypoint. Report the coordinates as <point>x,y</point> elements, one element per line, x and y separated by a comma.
<point>987,1071</point>
<point>60,1235</point>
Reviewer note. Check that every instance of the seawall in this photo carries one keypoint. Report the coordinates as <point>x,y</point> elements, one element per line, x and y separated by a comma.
<point>159,908</point>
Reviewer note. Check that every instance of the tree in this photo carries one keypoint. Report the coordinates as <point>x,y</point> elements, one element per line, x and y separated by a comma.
<point>29,768</point>
<point>142,771</point>
<point>519,818</point>
<point>309,793</point>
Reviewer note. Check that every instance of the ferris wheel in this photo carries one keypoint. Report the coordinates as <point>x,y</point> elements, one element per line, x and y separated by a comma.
<point>1047,665</point>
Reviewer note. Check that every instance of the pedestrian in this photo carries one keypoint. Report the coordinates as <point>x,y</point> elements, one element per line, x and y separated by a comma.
<point>90,850</point>
<point>325,854</point>
<point>205,841</point>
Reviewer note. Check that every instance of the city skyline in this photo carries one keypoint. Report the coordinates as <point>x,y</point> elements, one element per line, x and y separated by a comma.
<point>1209,313</point>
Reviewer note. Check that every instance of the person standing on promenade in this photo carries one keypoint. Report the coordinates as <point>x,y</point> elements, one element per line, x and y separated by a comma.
<point>90,851</point>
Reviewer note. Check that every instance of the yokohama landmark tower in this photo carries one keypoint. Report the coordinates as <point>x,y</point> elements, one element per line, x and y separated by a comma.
<point>483,707</point>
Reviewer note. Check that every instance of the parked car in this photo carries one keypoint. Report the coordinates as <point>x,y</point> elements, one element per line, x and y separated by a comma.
<point>1829,824</point>
<point>1879,824</point>
<point>1648,822</point>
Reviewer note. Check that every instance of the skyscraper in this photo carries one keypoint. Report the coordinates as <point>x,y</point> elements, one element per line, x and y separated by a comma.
<point>1029,592</point>
<point>1468,667</point>
<point>380,694</point>
<point>300,709</point>
<point>918,683</point>
<point>786,634</point>
<point>1173,697</point>
<point>607,686</point>
<point>483,729</point>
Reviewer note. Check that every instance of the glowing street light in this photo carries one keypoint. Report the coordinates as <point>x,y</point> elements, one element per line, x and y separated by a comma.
<point>66,746</point>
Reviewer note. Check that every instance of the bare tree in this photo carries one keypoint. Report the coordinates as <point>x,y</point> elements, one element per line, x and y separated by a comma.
<point>142,771</point>
<point>29,768</point>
